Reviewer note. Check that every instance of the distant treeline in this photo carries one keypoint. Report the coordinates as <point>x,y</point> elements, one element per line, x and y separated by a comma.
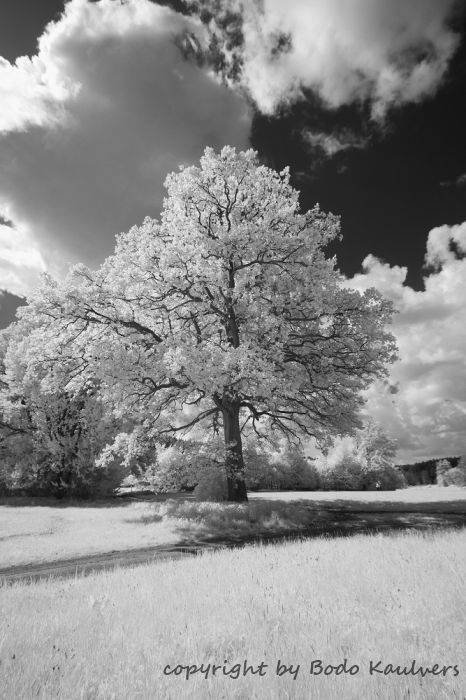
<point>424,472</point>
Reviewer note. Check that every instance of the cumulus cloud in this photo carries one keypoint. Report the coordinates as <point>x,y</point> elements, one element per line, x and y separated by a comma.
<point>346,51</point>
<point>444,243</point>
<point>424,402</point>
<point>31,93</point>
<point>90,126</point>
<point>21,262</point>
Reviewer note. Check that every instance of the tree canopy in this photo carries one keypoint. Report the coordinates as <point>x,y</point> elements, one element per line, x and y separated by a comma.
<point>226,313</point>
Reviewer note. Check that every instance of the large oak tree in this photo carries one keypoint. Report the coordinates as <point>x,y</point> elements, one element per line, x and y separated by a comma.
<point>226,312</point>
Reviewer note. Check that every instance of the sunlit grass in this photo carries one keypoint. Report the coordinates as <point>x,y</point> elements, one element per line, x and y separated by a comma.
<point>32,534</point>
<point>395,598</point>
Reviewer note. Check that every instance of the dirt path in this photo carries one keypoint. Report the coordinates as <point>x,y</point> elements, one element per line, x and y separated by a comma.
<point>82,566</point>
<point>339,524</point>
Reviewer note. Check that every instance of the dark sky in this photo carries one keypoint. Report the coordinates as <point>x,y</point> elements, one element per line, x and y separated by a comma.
<point>8,305</point>
<point>22,22</point>
<point>392,192</point>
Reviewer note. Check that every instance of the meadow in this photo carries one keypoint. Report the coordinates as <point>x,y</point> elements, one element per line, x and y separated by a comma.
<point>393,598</point>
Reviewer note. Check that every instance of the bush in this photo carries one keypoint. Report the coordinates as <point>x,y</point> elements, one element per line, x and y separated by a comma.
<point>87,482</point>
<point>454,477</point>
<point>297,473</point>
<point>346,475</point>
<point>388,478</point>
<point>4,489</point>
<point>451,476</point>
<point>288,469</point>
<point>169,472</point>
<point>180,466</point>
<point>350,474</point>
<point>25,467</point>
<point>106,482</point>
<point>212,484</point>
<point>5,474</point>
<point>258,470</point>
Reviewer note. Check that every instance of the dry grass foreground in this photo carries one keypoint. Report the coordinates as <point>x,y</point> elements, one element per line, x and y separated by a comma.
<point>389,598</point>
<point>33,531</point>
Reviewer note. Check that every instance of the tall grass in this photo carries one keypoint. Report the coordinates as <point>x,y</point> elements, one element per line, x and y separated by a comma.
<point>392,598</point>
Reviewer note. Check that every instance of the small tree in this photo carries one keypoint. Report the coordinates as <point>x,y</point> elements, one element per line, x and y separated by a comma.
<point>347,474</point>
<point>462,464</point>
<point>441,468</point>
<point>453,476</point>
<point>293,470</point>
<point>373,446</point>
<point>366,464</point>
<point>50,437</point>
<point>228,312</point>
<point>376,453</point>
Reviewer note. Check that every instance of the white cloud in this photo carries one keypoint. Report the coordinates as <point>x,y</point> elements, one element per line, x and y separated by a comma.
<point>459,181</point>
<point>439,249</point>
<point>28,94</point>
<point>93,123</point>
<point>386,52</point>
<point>424,403</point>
<point>21,263</point>
<point>333,143</point>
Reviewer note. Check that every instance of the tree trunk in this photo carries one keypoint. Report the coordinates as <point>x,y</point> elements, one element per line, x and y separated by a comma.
<point>234,462</point>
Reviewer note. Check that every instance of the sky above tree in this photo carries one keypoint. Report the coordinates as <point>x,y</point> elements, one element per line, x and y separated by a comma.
<point>364,100</point>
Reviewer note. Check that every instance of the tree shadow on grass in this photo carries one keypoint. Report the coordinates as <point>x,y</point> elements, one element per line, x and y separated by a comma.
<point>199,523</point>
<point>209,527</point>
<point>358,505</point>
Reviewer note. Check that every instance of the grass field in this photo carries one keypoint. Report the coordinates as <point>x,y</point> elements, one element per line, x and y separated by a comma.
<point>37,530</point>
<point>52,530</point>
<point>391,598</point>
